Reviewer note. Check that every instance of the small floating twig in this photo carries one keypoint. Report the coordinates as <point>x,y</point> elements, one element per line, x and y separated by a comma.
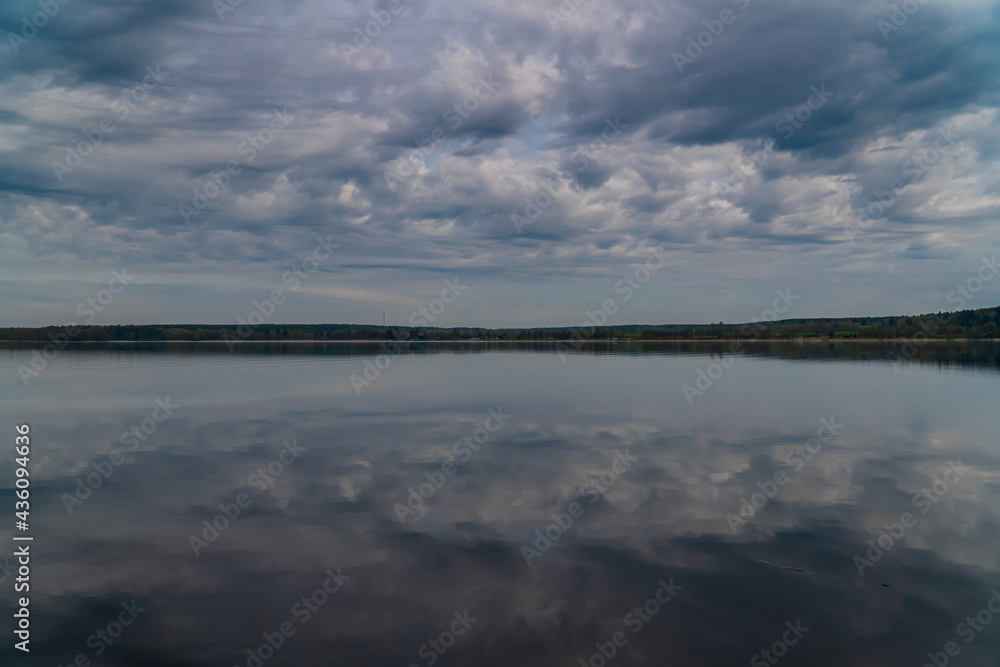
<point>818,574</point>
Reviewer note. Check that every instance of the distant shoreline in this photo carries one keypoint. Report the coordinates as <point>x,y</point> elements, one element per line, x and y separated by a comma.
<point>959,326</point>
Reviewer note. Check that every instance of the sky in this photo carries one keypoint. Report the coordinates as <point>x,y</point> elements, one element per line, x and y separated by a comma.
<point>496,162</point>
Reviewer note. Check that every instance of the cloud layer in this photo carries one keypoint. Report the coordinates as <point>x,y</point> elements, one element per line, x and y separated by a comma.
<point>743,136</point>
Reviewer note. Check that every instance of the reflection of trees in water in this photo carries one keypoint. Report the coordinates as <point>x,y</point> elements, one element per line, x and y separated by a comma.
<point>971,354</point>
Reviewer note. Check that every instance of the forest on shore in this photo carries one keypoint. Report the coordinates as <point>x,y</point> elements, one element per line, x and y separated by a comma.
<point>965,324</point>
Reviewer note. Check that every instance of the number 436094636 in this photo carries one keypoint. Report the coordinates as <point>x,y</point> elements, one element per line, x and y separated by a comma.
<point>23,449</point>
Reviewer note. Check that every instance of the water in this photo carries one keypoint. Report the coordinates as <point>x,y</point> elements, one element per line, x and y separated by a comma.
<point>658,484</point>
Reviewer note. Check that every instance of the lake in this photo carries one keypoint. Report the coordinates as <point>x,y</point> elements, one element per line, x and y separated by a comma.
<point>518,504</point>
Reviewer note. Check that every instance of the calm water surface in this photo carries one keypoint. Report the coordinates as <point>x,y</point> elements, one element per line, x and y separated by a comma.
<point>540,535</point>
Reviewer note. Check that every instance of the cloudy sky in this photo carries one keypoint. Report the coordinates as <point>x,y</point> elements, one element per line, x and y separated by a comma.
<point>537,153</point>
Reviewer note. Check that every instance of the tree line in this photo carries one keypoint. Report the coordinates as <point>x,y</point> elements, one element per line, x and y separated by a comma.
<point>974,324</point>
